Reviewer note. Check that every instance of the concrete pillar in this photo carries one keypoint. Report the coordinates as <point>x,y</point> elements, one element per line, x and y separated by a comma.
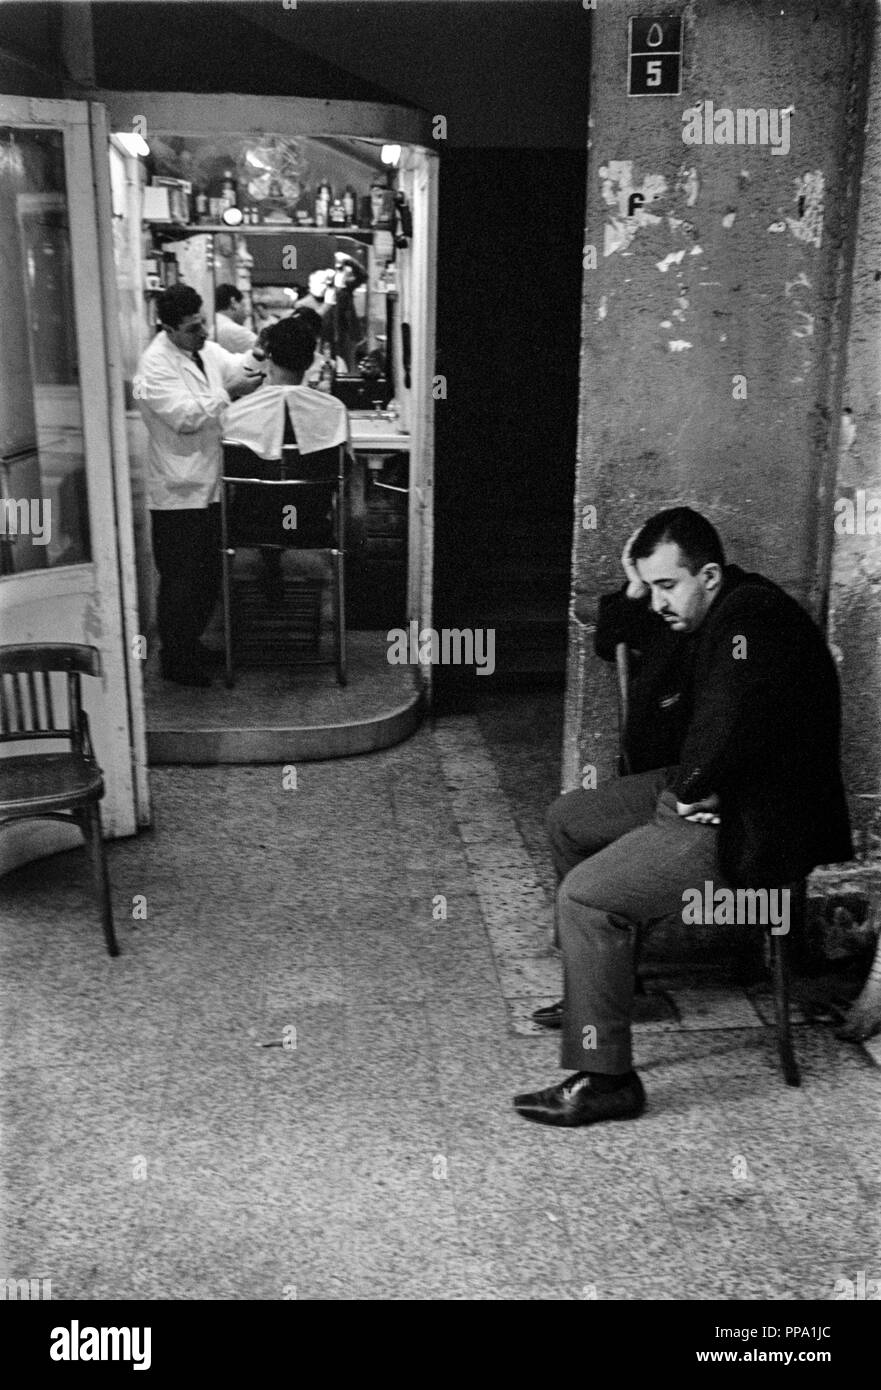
<point>855,592</point>
<point>719,248</point>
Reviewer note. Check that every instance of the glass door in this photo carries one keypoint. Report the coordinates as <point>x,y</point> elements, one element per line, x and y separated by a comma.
<point>66,569</point>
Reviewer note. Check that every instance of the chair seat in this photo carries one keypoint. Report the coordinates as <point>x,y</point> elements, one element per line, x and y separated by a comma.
<point>47,782</point>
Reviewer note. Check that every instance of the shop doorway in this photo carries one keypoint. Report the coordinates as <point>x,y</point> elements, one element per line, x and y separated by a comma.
<point>226,196</point>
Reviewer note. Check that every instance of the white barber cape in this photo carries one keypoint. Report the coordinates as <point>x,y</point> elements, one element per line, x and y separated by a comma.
<point>182,410</point>
<point>257,422</point>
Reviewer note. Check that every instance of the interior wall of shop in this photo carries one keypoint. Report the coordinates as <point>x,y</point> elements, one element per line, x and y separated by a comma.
<point>715,326</point>
<point>511,79</point>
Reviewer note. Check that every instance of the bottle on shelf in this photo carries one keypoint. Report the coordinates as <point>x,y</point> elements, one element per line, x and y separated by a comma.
<point>228,194</point>
<point>349,204</point>
<point>327,375</point>
<point>336,217</point>
<point>201,206</point>
<point>323,200</point>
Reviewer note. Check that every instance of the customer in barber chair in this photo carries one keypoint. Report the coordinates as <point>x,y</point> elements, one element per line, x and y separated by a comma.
<point>283,411</point>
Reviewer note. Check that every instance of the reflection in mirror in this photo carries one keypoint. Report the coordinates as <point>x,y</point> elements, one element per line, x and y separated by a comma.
<point>43,503</point>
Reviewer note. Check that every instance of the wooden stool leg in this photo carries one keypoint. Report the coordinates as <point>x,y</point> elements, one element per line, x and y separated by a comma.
<point>91,827</point>
<point>780,978</point>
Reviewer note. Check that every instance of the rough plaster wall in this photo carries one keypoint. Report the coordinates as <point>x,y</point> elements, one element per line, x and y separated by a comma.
<point>855,599</point>
<point>728,270</point>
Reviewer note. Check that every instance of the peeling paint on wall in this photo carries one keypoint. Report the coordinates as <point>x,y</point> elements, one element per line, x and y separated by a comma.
<point>689,183</point>
<point>617,189</point>
<point>673,259</point>
<point>807,225</point>
<point>678,345</point>
<point>801,281</point>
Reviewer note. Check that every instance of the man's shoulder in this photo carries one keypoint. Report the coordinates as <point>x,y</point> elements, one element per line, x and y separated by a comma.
<point>319,400</point>
<point>210,348</point>
<point>756,608</point>
<point>748,593</point>
<point>157,350</point>
<point>265,399</point>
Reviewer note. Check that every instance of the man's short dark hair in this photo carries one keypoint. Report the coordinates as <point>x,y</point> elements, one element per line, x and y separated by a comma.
<point>344,262</point>
<point>290,343</point>
<point>698,540</point>
<point>176,304</point>
<point>311,316</point>
<point>225,295</point>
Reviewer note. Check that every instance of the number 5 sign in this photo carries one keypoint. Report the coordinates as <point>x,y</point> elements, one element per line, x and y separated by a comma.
<point>655,56</point>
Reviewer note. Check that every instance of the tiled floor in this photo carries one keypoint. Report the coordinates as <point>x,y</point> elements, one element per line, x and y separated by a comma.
<point>387,924</point>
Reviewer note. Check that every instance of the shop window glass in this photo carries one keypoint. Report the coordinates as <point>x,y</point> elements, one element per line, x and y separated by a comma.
<point>43,500</point>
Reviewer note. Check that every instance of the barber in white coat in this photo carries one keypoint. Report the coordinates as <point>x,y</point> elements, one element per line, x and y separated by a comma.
<point>183,385</point>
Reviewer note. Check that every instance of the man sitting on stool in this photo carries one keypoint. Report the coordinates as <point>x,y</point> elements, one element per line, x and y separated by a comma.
<point>755,798</point>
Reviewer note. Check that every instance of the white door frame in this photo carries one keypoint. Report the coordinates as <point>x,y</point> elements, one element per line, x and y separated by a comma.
<point>87,602</point>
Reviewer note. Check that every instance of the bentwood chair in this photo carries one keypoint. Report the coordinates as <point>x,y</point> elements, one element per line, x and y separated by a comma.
<point>63,786</point>
<point>255,495</point>
<point>777,947</point>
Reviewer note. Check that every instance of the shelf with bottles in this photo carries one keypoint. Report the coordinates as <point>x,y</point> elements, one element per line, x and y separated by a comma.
<point>163,231</point>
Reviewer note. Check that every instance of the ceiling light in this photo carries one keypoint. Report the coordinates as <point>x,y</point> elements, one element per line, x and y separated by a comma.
<point>390,154</point>
<point>133,144</point>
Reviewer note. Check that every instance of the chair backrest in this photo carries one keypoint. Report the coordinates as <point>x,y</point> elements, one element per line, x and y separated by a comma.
<point>27,707</point>
<point>313,483</point>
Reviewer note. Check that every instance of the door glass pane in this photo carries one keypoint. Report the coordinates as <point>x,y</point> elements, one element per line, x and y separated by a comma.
<point>43,500</point>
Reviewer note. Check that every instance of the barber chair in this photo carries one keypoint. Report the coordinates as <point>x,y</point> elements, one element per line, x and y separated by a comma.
<point>256,498</point>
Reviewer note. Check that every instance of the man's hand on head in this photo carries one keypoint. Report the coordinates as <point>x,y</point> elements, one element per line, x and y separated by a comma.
<point>635,587</point>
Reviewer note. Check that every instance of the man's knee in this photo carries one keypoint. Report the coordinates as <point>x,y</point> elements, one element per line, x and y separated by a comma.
<point>556,814</point>
<point>576,821</point>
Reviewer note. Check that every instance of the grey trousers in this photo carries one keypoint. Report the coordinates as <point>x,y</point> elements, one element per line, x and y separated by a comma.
<point>624,858</point>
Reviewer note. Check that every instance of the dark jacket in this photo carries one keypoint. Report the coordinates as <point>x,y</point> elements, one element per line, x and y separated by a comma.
<point>659,691</point>
<point>763,730</point>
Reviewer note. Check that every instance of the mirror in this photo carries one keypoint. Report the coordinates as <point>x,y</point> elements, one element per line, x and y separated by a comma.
<point>279,253</point>
<point>333,274</point>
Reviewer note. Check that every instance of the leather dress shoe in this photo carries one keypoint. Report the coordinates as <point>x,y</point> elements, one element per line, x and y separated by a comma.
<point>551,1016</point>
<point>575,1102</point>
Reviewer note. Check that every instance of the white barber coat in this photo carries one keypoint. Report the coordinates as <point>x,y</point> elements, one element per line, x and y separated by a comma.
<point>235,337</point>
<point>182,410</point>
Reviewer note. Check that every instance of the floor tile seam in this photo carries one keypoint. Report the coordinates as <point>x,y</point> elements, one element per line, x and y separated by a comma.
<point>494,802</point>
<point>505,829</point>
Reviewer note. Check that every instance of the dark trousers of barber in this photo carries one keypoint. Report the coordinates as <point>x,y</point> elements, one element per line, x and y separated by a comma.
<point>186,551</point>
